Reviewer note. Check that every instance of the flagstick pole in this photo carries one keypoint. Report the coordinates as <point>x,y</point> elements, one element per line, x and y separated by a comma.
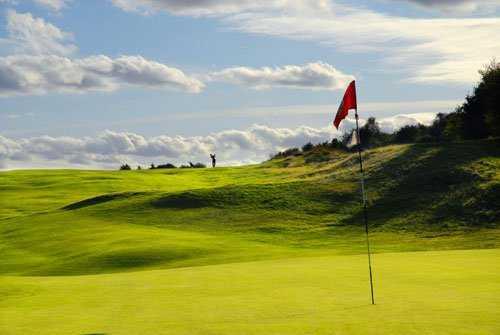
<point>365,213</point>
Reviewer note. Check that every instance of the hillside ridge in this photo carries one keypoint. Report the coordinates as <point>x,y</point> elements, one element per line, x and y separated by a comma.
<point>421,197</point>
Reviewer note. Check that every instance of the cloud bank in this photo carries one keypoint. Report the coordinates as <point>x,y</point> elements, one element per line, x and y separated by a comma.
<point>315,76</point>
<point>42,63</point>
<point>233,147</point>
<point>216,7</point>
<point>39,74</point>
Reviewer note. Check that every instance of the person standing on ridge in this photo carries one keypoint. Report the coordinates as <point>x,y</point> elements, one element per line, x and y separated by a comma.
<point>214,160</point>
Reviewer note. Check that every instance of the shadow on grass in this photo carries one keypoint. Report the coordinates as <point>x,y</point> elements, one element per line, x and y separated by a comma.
<point>100,200</point>
<point>306,197</point>
<point>434,186</point>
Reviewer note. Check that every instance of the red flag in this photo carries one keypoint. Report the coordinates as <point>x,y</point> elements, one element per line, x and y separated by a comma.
<point>348,102</point>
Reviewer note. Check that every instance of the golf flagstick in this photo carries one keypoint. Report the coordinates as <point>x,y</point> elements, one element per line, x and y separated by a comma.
<point>365,214</point>
<point>349,102</point>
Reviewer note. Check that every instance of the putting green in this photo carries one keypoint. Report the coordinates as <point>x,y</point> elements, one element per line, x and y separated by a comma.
<point>444,292</point>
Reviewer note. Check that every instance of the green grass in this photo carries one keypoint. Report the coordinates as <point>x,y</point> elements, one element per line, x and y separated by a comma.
<point>72,242</point>
<point>450,292</point>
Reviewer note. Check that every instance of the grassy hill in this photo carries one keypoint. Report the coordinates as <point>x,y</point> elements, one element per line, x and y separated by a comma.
<point>78,232</point>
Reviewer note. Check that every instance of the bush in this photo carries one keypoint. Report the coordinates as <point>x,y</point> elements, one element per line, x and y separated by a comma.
<point>291,152</point>
<point>307,147</point>
<point>336,144</point>
<point>199,166</point>
<point>125,167</point>
<point>166,166</point>
<point>287,153</point>
<point>410,134</point>
<point>194,166</point>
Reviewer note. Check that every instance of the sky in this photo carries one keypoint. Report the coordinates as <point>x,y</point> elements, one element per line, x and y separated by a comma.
<point>98,83</point>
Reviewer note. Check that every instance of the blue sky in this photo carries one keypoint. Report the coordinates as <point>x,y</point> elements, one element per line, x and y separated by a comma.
<point>158,80</point>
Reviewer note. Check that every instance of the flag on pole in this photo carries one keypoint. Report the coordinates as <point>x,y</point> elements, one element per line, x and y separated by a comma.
<point>348,103</point>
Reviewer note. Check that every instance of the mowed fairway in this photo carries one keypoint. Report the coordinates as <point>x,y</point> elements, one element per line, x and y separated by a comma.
<point>450,292</point>
<point>275,248</point>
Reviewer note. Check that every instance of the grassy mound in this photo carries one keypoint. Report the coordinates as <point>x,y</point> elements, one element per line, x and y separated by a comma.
<point>422,197</point>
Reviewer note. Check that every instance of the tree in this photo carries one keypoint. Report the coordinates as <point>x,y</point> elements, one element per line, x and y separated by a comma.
<point>410,134</point>
<point>479,116</point>
<point>490,88</point>
<point>454,126</point>
<point>436,129</point>
<point>371,135</point>
<point>336,144</point>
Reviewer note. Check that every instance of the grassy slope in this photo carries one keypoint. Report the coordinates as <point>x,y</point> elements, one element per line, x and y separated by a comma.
<point>271,248</point>
<point>423,197</point>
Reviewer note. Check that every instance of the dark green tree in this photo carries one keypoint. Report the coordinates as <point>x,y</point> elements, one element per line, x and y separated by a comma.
<point>479,116</point>
<point>489,91</point>
<point>371,135</point>
<point>410,134</point>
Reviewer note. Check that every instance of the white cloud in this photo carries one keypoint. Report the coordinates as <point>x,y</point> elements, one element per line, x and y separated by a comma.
<point>25,74</point>
<point>458,5</point>
<point>31,35</point>
<point>216,7</point>
<point>110,149</point>
<point>316,76</point>
<point>40,64</point>
<point>54,5</point>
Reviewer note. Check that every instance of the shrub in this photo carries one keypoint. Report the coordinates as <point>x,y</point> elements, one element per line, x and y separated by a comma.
<point>410,134</point>
<point>291,152</point>
<point>307,147</point>
<point>166,166</point>
<point>125,167</point>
